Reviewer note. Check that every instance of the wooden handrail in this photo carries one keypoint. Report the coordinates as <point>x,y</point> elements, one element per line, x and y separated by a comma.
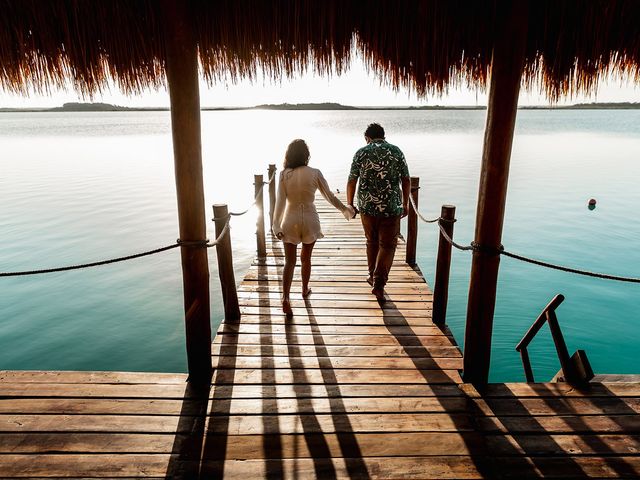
<point>535,327</point>
<point>576,369</point>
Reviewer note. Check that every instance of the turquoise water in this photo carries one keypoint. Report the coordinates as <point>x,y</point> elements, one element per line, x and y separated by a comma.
<point>86,186</point>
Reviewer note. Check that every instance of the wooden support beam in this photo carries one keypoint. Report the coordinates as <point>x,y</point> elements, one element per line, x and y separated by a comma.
<point>412,223</point>
<point>258,183</point>
<point>272,193</point>
<point>443,266</point>
<point>506,73</point>
<point>182,80</point>
<point>224,253</point>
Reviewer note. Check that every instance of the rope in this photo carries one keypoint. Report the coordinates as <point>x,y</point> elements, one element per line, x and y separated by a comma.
<point>86,265</point>
<point>450,240</point>
<point>273,176</point>
<point>569,269</point>
<point>179,243</point>
<point>224,231</point>
<point>415,209</point>
<point>255,199</point>
<point>501,251</point>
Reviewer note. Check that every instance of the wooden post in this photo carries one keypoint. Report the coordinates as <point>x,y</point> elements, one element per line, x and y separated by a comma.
<point>225,265</point>
<point>272,193</point>
<point>182,80</point>
<point>412,223</point>
<point>259,192</point>
<point>443,266</point>
<point>506,73</point>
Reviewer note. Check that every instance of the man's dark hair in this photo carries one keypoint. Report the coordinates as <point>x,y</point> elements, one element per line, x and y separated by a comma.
<point>374,130</point>
<point>297,154</point>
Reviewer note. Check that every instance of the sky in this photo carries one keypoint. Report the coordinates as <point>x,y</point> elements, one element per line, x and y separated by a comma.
<point>356,87</point>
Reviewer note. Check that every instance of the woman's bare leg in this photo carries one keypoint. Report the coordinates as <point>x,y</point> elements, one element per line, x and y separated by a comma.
<point>305,259</point>
<point>290,257</point>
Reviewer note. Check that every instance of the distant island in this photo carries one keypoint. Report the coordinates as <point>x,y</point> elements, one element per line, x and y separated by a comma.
<point>106,107</point>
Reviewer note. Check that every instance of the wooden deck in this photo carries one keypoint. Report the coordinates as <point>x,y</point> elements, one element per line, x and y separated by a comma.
<point>345,389</point>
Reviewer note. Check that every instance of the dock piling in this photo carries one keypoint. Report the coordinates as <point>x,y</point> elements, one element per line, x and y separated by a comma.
<point>412,223</point>
<point>225,265</point>
<point>443,265</point>
<point>184,97</point>
<point>272,192</point>
<point>260,239</point>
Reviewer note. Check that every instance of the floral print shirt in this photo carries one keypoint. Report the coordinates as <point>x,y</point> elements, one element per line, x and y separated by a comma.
<point>380,167</point>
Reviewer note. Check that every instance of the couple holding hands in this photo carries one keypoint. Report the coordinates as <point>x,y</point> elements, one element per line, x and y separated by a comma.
<point>380,172</point>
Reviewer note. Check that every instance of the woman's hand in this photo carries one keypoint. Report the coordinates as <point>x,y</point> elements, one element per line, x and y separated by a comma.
<point>350,212</point>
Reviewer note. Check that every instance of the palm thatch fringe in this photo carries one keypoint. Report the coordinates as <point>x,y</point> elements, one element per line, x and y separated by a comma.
<point>425,45</point>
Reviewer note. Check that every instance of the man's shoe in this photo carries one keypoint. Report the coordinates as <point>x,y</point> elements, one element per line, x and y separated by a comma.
<point>370,280</point>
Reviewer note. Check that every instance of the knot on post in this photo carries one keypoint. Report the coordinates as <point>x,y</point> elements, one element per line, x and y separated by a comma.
<point>489,250</point>
<point>193,243</point>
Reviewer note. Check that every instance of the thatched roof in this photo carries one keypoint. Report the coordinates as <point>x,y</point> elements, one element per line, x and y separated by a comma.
<point>426,45</point>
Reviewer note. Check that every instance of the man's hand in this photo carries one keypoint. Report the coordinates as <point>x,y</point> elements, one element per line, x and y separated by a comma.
<point>405,211</point>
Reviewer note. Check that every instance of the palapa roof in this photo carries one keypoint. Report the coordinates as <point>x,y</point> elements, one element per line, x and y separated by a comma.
<point>426,45</point>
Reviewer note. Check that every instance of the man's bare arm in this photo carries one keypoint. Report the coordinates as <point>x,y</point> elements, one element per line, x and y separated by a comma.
<point>351,191</point>
<point>406,191</point>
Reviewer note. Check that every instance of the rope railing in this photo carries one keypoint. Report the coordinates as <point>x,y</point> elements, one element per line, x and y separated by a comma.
<point>473,246</point>
<point>255,198</point>
<point>179,243</point>
<point>415,209</point>
<point>92,264</point>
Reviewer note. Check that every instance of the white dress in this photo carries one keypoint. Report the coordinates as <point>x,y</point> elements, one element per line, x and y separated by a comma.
<point>295,214</point>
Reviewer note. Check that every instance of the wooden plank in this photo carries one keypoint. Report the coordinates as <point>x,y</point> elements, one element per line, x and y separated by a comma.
<point>281,319</point>
<point>337,312</point>
<point>414,467</point>
<point>339,287</point>
<point>38,376</point>
<point>221,392</point>
<point>253,446</point>
<point>331,376</point>
<point>82,406</point>
<point>301,339</point>
<point>563,406</point>
<point>317,297</point>
<point>311,362</point>
<point>414,352</point>
<point>372,303</point>
<point>573,424</point>
<point>521,390</point>
<point>241,424</point>
<point>359,276</point>
<point>307,445</point>
<point>231,328</point>
<point>272,265</point>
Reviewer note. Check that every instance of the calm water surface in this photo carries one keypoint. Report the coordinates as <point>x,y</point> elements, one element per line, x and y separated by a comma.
<point>80,187</point>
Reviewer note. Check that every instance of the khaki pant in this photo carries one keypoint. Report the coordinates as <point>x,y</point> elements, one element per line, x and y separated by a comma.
<point>382,239</point>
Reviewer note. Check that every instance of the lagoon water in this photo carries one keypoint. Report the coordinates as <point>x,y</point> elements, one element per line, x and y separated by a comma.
<point>81,187</point>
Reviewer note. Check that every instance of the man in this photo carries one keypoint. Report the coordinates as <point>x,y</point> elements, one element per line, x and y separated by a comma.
<point>383,199</point>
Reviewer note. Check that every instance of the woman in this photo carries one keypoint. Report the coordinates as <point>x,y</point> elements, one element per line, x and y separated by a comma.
<point>295,219</point>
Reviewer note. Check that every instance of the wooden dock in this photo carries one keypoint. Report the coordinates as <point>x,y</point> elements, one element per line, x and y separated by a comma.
<point>344,389</point>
